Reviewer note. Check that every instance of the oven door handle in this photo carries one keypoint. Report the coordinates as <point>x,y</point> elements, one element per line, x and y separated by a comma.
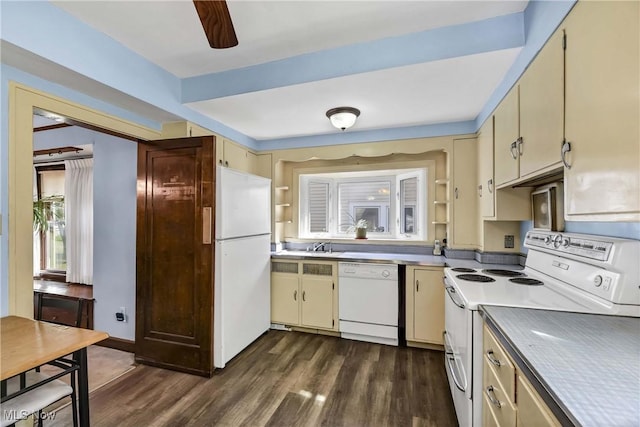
<point>451,291</point>
<point>449,355</point>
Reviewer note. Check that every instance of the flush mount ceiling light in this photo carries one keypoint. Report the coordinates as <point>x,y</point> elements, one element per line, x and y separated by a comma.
<point>343,117</point>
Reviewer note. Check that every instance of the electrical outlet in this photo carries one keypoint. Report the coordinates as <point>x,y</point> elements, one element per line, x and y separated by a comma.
<point>121,316</point>
<point>509,241</point>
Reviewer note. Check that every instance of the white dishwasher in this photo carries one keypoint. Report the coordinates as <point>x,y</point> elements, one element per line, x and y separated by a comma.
<point>368,302</point>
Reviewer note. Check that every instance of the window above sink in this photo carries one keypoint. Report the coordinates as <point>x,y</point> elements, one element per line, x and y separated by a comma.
<point>391,202</point>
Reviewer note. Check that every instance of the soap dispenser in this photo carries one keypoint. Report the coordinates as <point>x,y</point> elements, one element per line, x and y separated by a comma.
<point>437,249</point>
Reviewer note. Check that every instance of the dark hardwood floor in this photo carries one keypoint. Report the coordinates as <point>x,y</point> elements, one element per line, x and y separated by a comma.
<point>286,379</point>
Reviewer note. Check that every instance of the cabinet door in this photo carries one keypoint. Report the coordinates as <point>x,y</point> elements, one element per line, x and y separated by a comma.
<point>317,302</point>
<point>428,294</point>
<point>465,199</point>
<point>485,168</point>
<point>532,412</point>
<point>284,299</point>
<point>507,131</point>
<point>542,108</point>
<point>602,110</point>
<point>238,157</point>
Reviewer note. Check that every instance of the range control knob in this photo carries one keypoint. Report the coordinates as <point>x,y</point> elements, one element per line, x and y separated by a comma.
<point>547,240</point>
<point>597,281</point>
<point>557,239</point>
<point>385,273</point>
<point>566,242</point>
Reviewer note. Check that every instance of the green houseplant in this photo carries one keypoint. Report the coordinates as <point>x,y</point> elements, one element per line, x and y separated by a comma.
<point>359,226</point>
<point>46,209</point>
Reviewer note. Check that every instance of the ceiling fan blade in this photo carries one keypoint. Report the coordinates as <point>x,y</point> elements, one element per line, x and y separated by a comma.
<point>216,22</point>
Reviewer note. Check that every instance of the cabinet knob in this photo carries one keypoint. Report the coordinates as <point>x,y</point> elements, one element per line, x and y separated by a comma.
<point>417,286</point>
<point>295,295</point>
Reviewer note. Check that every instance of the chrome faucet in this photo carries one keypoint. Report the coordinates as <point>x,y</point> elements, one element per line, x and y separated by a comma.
<point>321,247</point>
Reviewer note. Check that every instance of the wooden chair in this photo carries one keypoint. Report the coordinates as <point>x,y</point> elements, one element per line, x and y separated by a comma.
<point>35,397</point>
<point>62,311</point>
<point>35,390</point>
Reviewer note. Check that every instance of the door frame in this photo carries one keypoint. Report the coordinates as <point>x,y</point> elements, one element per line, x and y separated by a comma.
<point>22,101</point>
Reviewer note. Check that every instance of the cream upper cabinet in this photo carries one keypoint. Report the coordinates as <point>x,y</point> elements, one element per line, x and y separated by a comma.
<point>602,112</point>
<point>507,132</point>
<point>425,305</point>
<point>529,121</point>
<point>541,109</point>
<point>505,204</point>
<point>465,201</point>
<point>486,187</point>
<point>235,156</point>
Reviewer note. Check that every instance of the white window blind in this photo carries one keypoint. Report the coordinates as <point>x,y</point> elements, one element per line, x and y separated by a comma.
<point>318,194</point>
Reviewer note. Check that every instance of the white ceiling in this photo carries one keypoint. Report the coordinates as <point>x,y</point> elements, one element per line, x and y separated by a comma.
<point>169,34</point>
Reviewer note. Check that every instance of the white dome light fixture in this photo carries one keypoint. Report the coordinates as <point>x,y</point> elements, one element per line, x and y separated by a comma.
<point>343,117</point>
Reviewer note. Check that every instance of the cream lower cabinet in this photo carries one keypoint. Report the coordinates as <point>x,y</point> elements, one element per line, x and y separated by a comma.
<point>305,294</point>
<point>317,302</point>
<point>425,305</point>
<point>284,298</point>
<point>508,399</point>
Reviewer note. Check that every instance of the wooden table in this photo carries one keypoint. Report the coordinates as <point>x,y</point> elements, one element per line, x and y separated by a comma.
<point>27,344</point>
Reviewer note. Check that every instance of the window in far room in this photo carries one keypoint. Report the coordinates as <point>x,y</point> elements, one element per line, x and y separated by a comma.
<point>392,202</point>
<point>50,218</point>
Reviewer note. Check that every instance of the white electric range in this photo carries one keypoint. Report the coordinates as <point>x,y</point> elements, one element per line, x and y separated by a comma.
<point>564,272</point>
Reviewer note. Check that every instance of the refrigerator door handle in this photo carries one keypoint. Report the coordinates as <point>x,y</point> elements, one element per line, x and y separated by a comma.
<point>206,225</point>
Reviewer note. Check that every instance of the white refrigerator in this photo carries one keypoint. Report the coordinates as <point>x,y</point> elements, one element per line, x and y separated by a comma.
<point>242,298</point>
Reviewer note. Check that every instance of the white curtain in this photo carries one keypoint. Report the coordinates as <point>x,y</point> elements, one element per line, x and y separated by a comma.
<point>36,235</point>
<point>78,211</point>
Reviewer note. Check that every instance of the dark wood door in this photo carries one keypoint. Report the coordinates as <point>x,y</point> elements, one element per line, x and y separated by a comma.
<point>175,259</point>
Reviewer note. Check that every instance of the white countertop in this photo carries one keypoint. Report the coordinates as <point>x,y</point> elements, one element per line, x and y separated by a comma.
<point>587,364</point>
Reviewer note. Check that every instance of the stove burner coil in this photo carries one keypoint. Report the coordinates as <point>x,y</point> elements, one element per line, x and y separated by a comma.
<point>503,273</point>
<point>463,270</point>
<point>475,278</point>
<point>526,281</point>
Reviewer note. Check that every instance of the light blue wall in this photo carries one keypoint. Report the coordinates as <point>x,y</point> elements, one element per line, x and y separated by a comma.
<point>114,252</point>
<point>114,223</point>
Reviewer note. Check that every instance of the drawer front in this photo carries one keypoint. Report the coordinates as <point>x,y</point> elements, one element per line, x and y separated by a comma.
<point>488,417</point>
<point>501,404</point>
<point>532,412</point>
<point>497,357</point>
<point>58,315</point>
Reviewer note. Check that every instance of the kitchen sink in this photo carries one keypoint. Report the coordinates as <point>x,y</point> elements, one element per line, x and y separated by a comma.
<point>312,254</point>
